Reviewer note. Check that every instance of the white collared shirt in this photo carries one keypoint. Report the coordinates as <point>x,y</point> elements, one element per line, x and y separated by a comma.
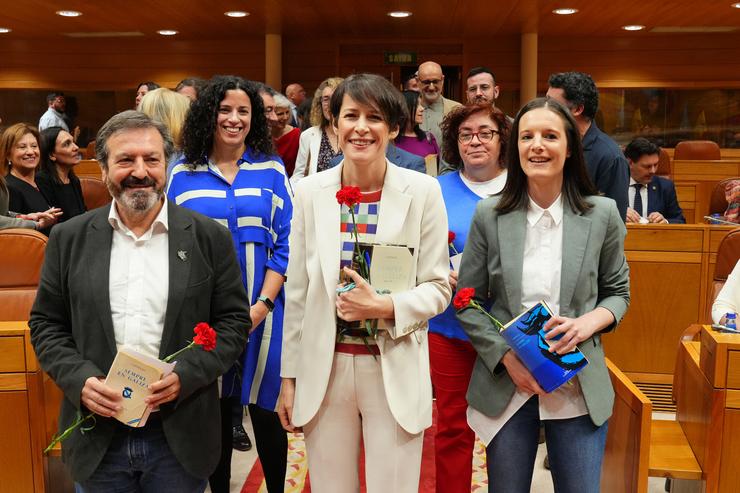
<point>139,282</point>
<point>541,272</point>
<point>643,196</point>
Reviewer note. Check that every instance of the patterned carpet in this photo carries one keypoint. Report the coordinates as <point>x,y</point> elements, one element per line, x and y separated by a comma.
<point>297,481</point>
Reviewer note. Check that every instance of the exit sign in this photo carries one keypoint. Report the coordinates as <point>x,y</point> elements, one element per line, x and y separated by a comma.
<point>399,57</point>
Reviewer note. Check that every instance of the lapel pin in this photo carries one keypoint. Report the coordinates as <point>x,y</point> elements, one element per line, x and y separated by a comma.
<point>183,255</point>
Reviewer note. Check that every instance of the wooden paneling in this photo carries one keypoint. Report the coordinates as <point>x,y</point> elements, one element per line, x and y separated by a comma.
<point>670,453</point>
<point>12,354</point>
<point>733,370</point>
<point>15,454</point>
<point>728,479</point>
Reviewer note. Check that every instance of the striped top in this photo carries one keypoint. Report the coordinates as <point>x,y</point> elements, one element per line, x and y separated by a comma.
<point>366,215</point>
<point>257,209</point>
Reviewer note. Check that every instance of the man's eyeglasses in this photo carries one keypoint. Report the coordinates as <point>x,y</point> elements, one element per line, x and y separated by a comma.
<point>483,136</point>
<point>430,82</point>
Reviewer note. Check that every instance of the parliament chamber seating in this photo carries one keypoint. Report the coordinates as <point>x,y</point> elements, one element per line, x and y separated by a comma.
<point>693,150</point>
<point>88,167</point>
<point>718,199</point>
<point>665,165</point>
<point>94,192</point>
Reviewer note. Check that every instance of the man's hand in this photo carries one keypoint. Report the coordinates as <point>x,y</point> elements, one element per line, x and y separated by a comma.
<point>632,216</point>
<point>99,398</point>
<point>519,374</point>
<point>165,390</point>
<point>285,405</point>
<point>657,218</point>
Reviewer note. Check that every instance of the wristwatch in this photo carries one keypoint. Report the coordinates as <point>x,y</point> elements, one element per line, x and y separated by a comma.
<point>268,302</point>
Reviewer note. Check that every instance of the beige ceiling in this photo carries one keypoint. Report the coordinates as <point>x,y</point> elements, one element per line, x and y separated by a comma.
<point>295,19</point>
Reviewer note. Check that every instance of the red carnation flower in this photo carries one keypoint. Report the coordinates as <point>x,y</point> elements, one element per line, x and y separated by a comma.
<point>463,298</point>
<point>205,336</point>
<point>349,196</point>
<point>451,236</point>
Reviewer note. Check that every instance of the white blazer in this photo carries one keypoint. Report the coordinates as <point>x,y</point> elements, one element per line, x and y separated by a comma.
<point>308,154</point>
<point>411,213</point>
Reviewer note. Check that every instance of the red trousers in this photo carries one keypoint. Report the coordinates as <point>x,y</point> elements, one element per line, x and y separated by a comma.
<point>451,365</point>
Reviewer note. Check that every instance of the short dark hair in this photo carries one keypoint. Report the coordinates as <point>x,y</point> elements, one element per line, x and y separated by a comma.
<point>640,147</point>
<point>52,96</point>
<point>193,82</point>
<point>149,85</point>
<point>451,129</point>
<point>412,103</point>
<point>130,120</point>
<point>481,70</point>
<point>579,89</point>
<point>371,90</point>
<point>200,124</point>
<point>576,182</point>
<point>263,88</point>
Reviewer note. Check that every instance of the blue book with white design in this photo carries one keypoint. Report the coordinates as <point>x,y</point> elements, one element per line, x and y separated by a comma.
<point>527,338</point>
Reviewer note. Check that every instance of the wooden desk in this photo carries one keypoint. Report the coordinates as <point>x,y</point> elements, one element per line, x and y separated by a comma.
<point>88,167</point>
<point>671,269</point>
<point>708,407</point>
<point>21,412</point>
<point>695,181</point>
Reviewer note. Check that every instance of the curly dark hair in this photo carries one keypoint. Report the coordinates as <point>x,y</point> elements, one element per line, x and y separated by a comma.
<point>450,127</point>
<point>579,89</point>
<point>200,125</point>
<point>577,184</point>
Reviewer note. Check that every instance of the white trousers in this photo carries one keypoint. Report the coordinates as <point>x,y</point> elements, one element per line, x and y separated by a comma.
<point>354,407</point>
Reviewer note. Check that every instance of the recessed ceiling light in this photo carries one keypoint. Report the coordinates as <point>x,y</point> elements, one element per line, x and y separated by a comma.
<point>735,5</point>
<point>565,11</point>
<point>167,32</point>
<point>236,13</point>
<point>633,27</point>
<point>4,30</point>
<point>398,14</point>
<point>69,13</point>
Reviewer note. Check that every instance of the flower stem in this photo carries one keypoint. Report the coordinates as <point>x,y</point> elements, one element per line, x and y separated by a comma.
<point>77,423</point>
<point>174,355</point>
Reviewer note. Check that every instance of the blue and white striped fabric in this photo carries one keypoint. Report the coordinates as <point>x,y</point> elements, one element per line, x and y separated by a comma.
<point>256,208</point>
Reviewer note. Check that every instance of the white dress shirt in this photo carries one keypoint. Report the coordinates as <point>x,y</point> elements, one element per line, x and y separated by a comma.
<point>643,196</point>
<point>543,259</point>
<point>139,283</point>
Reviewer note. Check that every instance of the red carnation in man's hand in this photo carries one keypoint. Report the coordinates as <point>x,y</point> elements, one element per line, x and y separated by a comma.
<point>463,298</point>
<point>349,196</point>
<point>205,336</point>
<point>451,236</point>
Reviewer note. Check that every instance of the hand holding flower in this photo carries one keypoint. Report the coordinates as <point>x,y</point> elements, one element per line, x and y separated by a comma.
<point>363,302</point>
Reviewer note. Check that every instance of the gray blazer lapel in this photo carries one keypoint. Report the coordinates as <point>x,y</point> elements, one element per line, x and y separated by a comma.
<point>326,213</point>
<point>100,238</point>
<point>576,231</point>
<point>511,232</point>
<point>180,239</point>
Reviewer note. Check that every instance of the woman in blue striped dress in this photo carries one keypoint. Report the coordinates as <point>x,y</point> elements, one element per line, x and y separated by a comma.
<point>234,177</point>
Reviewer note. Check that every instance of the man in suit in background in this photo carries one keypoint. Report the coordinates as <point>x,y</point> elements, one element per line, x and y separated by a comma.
<point>652,199</point>
<point>296,94</point>
<point>141,273</point>
<point>605,162</point>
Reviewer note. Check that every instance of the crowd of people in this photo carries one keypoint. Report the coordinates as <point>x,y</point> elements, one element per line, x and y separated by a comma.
<point>246,208</point>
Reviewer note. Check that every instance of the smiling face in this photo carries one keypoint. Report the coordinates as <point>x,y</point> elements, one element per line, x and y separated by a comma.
<point>431,81</point>
<point>25,154</point>
<point>363,133</point>
<point>476,154</point>
<point>543,146</point>
<point>135,174</point>
<point>66,152</point>
<point>283,117</point>
<point>269,103</point>
<point>234,119</point>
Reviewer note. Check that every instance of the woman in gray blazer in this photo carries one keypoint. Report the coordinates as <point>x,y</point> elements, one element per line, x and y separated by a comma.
<point>547,237</point>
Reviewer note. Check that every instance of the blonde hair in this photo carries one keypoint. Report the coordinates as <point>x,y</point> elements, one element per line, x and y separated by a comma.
<point>317,116</point>
<point>9,139</point>
<point>168,107</point>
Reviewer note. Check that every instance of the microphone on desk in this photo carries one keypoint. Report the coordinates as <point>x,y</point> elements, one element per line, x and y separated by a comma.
<point>716,220</point>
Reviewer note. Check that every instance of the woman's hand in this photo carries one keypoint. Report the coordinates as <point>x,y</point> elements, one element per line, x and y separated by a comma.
<point>453,279</point>
<point>362,302</point>
<point>575,330</point>
<point>520,375</point>
<point>285,405</point>
<point>257,313</point>
<point>44,219</point>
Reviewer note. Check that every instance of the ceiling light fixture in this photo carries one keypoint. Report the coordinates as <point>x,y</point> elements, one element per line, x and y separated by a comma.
<point>735,5</point>
<point>69,13</point>
<point>167,32</point>
<point>399,14</point>
<point>4,30</point>
<point>633,27</point>
<point>565,11</point>
<point>236,13</point>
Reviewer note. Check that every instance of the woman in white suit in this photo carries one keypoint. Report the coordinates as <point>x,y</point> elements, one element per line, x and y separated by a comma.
<point>344,388</point>
<point>318,144</point>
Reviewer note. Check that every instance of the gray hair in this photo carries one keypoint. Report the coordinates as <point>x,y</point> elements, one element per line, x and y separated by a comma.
<point>281,101</point>
<point>129,120</point>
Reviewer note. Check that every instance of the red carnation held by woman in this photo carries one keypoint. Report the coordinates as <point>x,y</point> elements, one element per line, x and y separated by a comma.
<point>463,298</point>
<point>349,196</point>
